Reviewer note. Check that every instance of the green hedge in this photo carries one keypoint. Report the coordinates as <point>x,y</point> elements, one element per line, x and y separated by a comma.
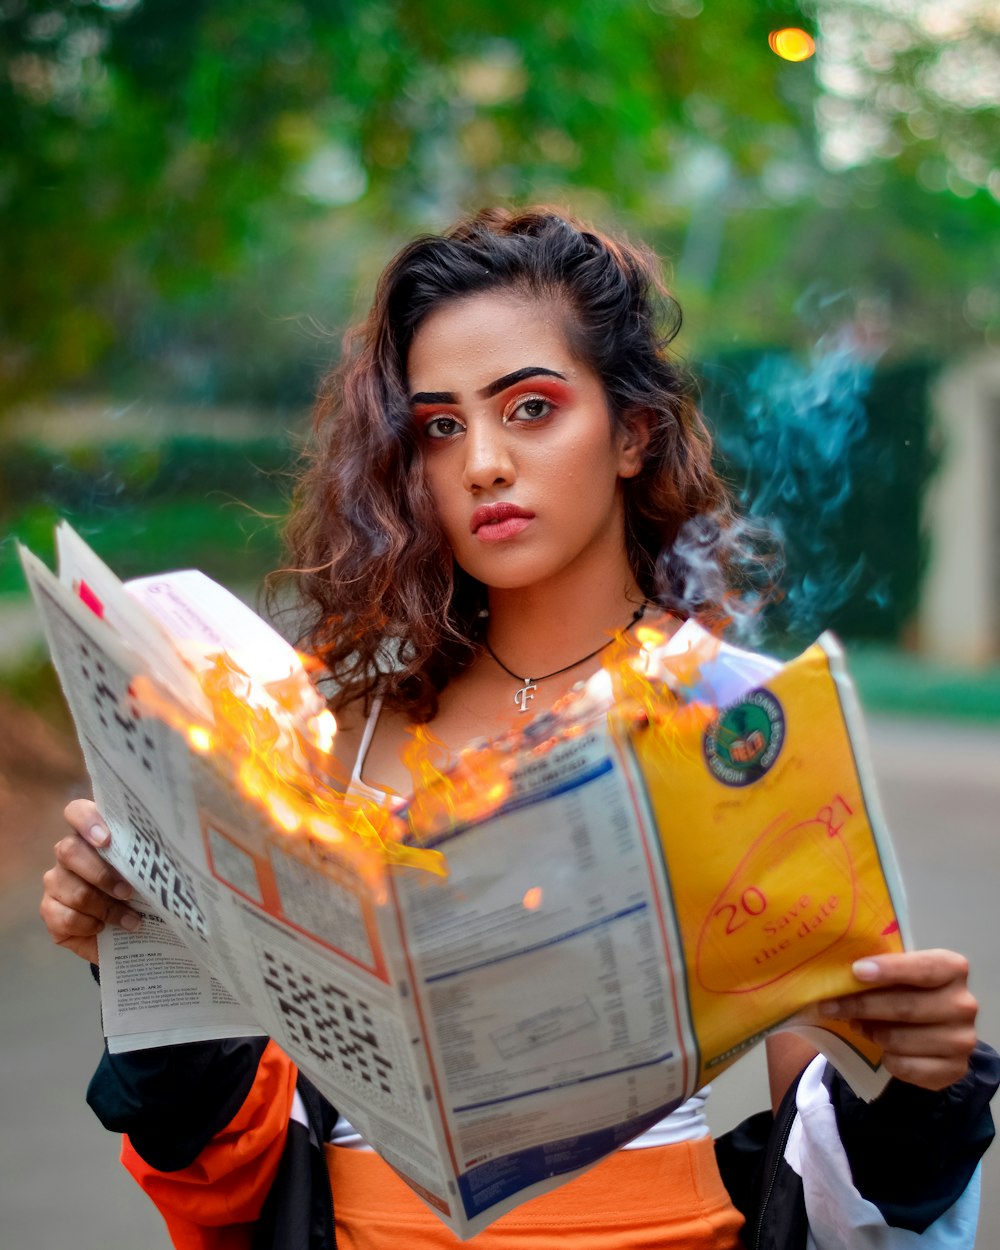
<point>93,477</point>
<point>189,502</point>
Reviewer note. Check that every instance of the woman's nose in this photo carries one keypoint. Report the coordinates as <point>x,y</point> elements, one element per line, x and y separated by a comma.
<point>488,461</point>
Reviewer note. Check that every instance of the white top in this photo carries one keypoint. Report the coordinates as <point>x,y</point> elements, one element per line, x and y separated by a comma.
<point>357,784</point>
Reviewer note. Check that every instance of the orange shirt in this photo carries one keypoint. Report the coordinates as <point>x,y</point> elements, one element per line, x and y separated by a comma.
<point>661,1198</point>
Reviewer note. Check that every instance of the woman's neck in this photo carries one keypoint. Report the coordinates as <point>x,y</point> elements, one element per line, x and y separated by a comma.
<point>539,629</point>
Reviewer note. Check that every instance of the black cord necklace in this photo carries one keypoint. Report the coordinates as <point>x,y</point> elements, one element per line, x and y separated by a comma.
<point>530,684</point>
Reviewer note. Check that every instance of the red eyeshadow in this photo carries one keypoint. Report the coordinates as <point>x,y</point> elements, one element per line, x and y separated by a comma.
<point>551,388</point>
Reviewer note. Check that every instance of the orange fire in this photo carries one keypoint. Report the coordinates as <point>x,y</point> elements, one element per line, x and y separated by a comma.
<point>643,685</point>
<point>274,741</point>
<point>653,686</point>
<point>451,792</point>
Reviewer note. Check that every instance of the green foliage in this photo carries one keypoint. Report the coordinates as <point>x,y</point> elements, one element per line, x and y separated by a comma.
<point>184,176</point>
<point>902,684</point>
<point>229,541</point>
<point>197,195</point>
<point>202,503</point>
<point>93,476</point>
<point>192,187</point>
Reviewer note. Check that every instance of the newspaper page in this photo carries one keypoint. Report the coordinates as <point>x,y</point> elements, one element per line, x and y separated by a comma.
<point>780,866</point>
<point>651,893</point>
<point>245,930</point>
<point>578,986</point>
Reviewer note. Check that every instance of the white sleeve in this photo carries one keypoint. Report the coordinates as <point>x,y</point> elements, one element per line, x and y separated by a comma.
<point>839,1217</point>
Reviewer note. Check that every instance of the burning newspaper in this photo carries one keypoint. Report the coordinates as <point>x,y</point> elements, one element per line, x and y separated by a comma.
<point>557,939</point>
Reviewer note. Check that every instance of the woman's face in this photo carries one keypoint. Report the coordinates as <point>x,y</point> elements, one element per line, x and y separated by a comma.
<point>521,458</point>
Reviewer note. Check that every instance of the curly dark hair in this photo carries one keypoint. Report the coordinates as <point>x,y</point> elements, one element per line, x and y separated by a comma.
<point>388,608</point>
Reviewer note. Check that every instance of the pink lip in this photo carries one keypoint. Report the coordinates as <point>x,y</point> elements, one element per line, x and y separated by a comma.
<point>497,521</point>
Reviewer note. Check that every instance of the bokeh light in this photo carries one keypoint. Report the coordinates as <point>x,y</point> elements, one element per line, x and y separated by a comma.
<point>792,44</point>
<point>532,898</point>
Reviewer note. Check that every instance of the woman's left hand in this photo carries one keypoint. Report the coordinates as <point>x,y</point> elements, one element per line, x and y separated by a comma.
<point>919,1010</point>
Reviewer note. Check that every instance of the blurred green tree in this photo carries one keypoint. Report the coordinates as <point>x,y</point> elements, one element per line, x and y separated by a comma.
<point>192,190</point>
<point>174,171</point>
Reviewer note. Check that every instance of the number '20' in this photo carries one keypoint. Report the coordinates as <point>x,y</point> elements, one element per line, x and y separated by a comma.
<point>752,903</point>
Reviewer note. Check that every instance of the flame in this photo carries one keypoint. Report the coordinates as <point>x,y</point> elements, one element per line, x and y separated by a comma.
<point>324,726</point>
<point>274,741</point>
<point>200,738</point>
<point>649,638</point>
<point>643,683</point>
<point>792,44</point>
<point>655,689</point>
<point>449,792</point>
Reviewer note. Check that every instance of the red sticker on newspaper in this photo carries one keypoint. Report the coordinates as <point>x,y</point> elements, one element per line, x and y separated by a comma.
<point>90,599</point>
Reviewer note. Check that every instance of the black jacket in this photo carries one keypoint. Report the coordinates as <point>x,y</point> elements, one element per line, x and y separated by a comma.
<point>912,1152</point>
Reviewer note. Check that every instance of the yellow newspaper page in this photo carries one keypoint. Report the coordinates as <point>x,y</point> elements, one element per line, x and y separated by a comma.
<point>776,866</point>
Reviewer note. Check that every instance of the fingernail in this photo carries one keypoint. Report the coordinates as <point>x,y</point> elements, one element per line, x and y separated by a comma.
<point>99,836</point>
<point>122,890</point>
<point>865,969</point>
<point>131,921</point>
<point>830,1008</point>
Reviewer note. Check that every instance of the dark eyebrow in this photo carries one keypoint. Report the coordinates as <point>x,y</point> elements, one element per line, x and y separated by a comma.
<point>509,379</point>
<point>494,388</point>
<point>433,397</point>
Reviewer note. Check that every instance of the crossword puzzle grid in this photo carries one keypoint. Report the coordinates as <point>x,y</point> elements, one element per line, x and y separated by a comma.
<point>100,694</point>
<point>160,874</point>
<point>337,1027</point>
<point>119,716</point>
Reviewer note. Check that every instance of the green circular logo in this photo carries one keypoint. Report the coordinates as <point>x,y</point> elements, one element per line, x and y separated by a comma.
<point>746,739</point>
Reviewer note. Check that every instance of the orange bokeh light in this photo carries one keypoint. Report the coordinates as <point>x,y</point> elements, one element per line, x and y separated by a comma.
<point>792,44</point>
<point>532,898</point>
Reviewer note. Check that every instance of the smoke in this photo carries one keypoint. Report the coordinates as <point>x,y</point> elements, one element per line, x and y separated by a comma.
<point>788,433</point>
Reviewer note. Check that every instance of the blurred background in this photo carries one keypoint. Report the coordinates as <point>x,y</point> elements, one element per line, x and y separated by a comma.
<point>195,200</point>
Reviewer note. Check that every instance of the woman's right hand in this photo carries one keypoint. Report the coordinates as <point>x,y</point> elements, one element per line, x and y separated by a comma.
<point>83,893</point>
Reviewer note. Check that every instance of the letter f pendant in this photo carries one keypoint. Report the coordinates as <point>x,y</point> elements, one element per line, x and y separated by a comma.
<point>525,694</point>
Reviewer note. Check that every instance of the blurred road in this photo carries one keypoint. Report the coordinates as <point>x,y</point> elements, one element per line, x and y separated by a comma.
<point>60,1184</point>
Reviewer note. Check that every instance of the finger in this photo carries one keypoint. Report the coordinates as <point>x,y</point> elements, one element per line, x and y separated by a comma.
<point>76,895</point>
<point>86,948</point>
<point>61,928</point>
<point>925,969</point>
<point>929,1073</point>
<point>932,1041</point>
<point>65,923</point>
<point>954,1004</point>
<point>79,858</point>
<point>85,819</point>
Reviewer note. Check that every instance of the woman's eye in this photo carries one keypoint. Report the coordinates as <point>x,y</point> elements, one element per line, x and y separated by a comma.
<point>441,427</point>
<point>531,408</point>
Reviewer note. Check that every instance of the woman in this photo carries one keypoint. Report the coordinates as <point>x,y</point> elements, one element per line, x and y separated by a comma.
<point>509,469</point>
